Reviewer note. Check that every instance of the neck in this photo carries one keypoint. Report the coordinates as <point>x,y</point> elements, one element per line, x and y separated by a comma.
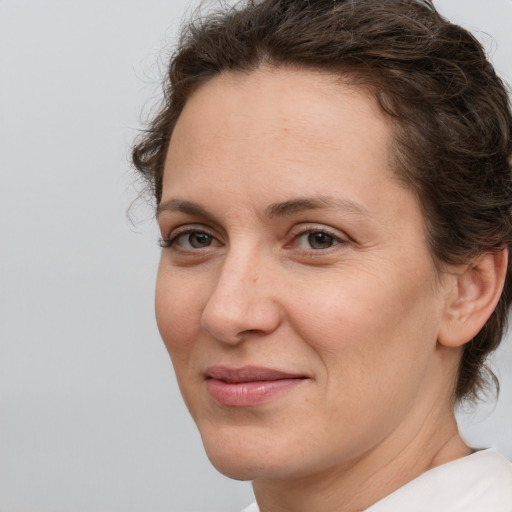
<point>353,487</point>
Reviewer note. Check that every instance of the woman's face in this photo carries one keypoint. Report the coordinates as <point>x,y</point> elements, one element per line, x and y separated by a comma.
<point>296,295</point>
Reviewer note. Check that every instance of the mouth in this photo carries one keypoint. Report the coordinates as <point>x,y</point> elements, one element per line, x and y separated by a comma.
<point>248,386</point>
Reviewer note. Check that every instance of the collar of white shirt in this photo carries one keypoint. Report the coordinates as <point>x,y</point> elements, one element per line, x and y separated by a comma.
<point>480,482</point>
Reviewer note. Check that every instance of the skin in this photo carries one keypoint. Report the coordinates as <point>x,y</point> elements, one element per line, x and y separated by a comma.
<point>360,315</point>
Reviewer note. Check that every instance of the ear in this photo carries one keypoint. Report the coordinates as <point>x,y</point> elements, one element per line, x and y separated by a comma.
<point>476,291</point>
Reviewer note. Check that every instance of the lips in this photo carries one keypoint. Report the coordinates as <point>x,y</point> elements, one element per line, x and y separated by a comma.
<point>248,386</point>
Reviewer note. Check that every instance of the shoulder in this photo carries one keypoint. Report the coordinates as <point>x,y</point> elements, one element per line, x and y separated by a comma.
<point>251,508</point>
<point>480,482</point>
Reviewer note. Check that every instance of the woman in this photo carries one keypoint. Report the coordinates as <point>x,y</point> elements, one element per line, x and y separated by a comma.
<point>332,181</point>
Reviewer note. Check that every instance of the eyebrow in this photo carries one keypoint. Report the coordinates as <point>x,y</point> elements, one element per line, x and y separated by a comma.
<point>183,206</point>
<point>279,209</point>
<point>302,204</point>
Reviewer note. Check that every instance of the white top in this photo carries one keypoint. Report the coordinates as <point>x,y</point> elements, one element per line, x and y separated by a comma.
<point>480,482</point>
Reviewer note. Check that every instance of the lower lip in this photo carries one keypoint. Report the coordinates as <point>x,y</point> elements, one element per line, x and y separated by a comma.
<point>247,394</point>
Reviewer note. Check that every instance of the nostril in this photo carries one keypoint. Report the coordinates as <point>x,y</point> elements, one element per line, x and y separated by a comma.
<point>249,332</point>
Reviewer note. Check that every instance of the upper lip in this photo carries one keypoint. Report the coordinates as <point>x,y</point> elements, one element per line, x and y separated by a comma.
<point>248,374</point>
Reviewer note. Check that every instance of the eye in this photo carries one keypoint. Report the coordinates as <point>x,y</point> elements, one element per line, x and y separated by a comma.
<point>316,240</point>
<point>196,240</point>
<point>320,240</point>
<point>190,240</point>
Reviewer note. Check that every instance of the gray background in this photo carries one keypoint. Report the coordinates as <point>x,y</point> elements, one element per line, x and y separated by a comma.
<point>91,418</point>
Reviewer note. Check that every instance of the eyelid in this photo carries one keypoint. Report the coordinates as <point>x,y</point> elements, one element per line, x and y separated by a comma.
<point>304,229</point>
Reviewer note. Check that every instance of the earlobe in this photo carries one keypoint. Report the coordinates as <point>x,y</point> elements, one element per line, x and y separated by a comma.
<point>477,290</point>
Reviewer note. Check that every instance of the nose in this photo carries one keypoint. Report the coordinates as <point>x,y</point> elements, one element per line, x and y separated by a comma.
<point>243,301</point>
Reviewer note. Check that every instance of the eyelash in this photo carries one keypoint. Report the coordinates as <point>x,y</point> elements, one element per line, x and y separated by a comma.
<point>336,239</point>
<point>171,242</point>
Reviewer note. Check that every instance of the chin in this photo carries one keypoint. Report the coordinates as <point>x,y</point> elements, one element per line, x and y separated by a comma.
<point>249,456</point>
<point>235,469</point>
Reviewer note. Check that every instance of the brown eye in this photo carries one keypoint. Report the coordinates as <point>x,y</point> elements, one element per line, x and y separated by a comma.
<point>196,240</point>
<point>319,240</point>
<point>190,238</point>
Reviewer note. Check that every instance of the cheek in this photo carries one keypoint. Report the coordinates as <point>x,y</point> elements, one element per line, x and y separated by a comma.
<point>177,309</point>
<point>375,345</point>
<point>371,330</point>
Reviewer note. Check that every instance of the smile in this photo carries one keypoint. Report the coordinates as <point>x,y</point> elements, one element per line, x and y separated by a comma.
<point>248,386</point>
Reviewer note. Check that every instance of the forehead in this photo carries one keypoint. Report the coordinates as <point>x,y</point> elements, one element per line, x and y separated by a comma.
<point>284,127</point>
<point>283,99</point>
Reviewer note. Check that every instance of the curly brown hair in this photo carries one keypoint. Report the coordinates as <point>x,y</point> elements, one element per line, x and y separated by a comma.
<point>450,112</point>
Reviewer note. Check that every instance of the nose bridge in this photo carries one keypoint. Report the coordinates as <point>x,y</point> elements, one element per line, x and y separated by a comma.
<point>239,269</point>
<point>242,299</point>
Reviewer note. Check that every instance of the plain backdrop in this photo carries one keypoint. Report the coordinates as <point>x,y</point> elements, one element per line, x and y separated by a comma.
<point>91,417</point>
